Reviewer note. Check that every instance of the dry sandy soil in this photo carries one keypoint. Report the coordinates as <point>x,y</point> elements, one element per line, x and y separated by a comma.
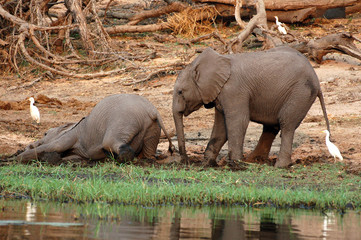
<point>63,100</point>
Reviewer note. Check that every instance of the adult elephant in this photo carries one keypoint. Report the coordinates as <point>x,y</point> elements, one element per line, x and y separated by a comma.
<point>124,125</point>
<point>275,88</point>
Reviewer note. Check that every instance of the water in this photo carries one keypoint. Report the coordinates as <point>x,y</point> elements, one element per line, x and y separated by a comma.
<point>44,220</point>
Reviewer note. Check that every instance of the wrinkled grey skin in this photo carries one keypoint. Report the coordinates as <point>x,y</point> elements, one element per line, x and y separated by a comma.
<point>124,125</point>
<point>275,88</point>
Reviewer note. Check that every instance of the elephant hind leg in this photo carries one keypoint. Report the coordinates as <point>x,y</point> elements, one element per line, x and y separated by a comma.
<point>265,142</point>
<point>284,158</point>
<point>291,117</point>
<point>288,126</point>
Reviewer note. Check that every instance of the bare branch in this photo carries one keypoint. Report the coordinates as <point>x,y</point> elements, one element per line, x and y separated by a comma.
<point>259,20</point>
<point>62,73</point>
<point>237,14</point>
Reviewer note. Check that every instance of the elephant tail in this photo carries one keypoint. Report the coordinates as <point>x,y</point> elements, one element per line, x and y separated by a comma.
<point>171,147</point>
<point>322,101</point>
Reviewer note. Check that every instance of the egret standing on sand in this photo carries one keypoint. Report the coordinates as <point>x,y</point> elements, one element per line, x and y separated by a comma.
<point>281,29</point>
<point>332,147</point>
<point>34,111</point>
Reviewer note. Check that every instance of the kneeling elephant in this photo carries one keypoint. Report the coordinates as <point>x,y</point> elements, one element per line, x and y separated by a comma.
<point>124,125</point>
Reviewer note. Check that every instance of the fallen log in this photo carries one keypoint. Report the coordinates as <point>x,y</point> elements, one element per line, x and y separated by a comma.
<point>291,16</point>
<point>173,7</point>
<point>136,28</point>
<point>289,4</point>
<point>353,9</point>
<point>338,42</point>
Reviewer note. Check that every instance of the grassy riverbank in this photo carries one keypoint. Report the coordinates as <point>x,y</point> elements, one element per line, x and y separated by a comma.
<point>318,185</point>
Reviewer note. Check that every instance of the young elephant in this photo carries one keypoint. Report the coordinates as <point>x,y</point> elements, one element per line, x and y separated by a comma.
<point>124,125</point>
<point>275,88</point>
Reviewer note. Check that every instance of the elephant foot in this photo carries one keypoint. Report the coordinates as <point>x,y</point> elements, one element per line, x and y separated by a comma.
<point>236,165</point>
<point>283,164</point>
<point>185,160</point>
<point>256,158</point>
<point>52,158</point>
<point>210,163</point>
<point>172,159</point>
<point>126,153</point>
<point>150,161</point>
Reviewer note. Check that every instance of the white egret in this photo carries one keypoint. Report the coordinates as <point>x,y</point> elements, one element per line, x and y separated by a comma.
<point>332,147</point>
<point>281,29</point>
<point>34,111</point>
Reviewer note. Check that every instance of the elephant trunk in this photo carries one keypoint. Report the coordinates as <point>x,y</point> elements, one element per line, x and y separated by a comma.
<point>178,121</point>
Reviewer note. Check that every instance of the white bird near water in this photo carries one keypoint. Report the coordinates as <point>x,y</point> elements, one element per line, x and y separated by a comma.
<point>332,147</point>
<point>281,29</point>
<point>34,111</point>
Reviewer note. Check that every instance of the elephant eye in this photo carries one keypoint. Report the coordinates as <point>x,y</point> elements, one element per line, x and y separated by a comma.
<point>197,75</point>
<point>180,92</point>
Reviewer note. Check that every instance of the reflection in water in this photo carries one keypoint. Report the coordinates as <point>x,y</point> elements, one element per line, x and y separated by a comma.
<point>26,220</point>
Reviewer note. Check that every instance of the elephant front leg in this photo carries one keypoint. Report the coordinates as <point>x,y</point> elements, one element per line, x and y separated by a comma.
<point>265,142</point>
<point>237,124</point>
<point>217,140</point>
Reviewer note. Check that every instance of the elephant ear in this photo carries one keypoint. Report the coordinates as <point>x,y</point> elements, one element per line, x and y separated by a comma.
<point>212,71</point>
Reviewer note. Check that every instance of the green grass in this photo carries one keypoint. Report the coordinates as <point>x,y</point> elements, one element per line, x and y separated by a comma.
<point>317,186</point>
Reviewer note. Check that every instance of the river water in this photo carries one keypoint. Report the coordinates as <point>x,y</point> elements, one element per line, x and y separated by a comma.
<point>22,219</point>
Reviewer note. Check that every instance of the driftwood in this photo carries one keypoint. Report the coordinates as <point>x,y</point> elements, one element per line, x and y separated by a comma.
<point>339,42</point>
